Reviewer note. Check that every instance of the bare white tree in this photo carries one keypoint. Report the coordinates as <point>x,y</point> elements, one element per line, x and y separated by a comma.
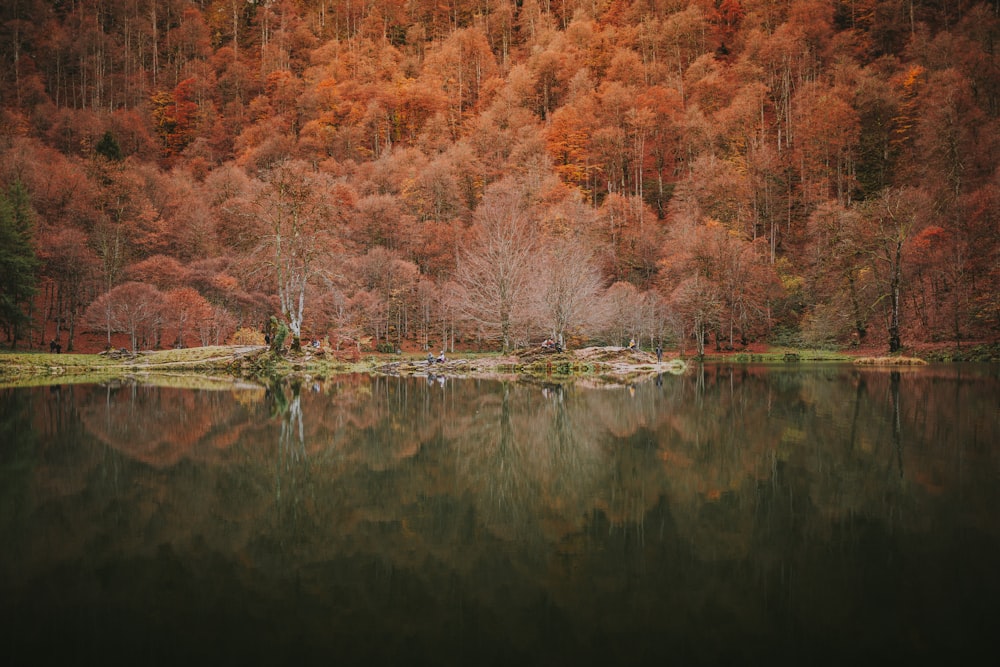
<point>296,234</point>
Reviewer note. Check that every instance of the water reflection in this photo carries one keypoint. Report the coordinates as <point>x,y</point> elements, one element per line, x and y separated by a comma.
<point>816,514</point>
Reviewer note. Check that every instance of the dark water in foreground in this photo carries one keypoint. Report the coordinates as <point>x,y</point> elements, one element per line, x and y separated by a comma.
<point>818,515</point>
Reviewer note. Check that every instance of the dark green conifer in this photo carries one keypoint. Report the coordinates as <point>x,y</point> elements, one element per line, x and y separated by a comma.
<point>18,262</point>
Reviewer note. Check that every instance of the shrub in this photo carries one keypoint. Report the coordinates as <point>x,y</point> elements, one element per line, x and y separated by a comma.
<point>279,332</point>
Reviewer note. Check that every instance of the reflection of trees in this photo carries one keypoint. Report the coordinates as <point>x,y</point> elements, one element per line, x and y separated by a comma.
<point>502,463</point>
<point>897,440</point>
<point>161,426</point>
<point>713,488</point>
<point>539,462</point>
<point>291,466</point>
<point>529,463</point>
<point>575,456</point>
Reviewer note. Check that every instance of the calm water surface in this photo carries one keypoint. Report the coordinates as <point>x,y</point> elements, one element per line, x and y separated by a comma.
<point>815,515</point>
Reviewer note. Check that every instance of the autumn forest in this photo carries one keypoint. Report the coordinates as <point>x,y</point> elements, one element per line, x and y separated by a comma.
<point>390,175</point>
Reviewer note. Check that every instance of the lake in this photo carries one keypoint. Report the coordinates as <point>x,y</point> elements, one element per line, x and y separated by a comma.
<point>788,514</point>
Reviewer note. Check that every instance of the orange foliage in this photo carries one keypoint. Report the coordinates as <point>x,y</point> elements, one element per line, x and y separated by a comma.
<point>619,121</point>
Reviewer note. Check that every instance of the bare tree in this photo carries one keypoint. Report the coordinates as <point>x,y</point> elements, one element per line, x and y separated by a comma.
<point>132,308</point>
<point>697,302</point>
<point>496,265</point>
<point>888,222</point>
<point>571,284</point>
<point>619,310</point>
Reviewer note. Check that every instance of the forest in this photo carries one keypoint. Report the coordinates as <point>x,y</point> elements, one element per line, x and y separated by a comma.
<point>408,175</point>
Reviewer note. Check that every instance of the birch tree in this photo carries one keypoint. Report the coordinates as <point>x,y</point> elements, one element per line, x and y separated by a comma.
<point>297,223</point>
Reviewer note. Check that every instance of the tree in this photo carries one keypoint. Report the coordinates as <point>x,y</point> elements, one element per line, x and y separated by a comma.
<point>112,242</point>
<point>619,305</point>
<point>664,143</point>
<point>840,275</point>
<point>495,266</point>
<point>380,220</point>
<point>460,66</point>
<point>186,311</point>
<point>827,131</point>
<point>132,308</point>
<point>71,266</point>
<point>735,280</point>
<point>159,270</point>
<point>175,116</point>
<point>296,225</point>
<point>889,221</point>
<point>570,283</point>
<point>953,140</point>
<point>630,237</point>
<point>109,148</point>
<point>219,327</point>
<point>697,301</point>
<point>18,262</point>
<point>567,137</point>
<point>391,281</point>
<point>878,105</point>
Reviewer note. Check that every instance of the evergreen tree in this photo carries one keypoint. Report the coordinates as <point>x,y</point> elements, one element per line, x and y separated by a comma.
<point>109,148</point>
<point>18,262</point>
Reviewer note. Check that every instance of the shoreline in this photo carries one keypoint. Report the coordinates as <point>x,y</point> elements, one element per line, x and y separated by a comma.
<point>232,365</point>
<point>222,365</point>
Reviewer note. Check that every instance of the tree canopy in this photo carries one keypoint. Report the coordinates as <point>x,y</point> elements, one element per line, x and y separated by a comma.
<point>811,171</point>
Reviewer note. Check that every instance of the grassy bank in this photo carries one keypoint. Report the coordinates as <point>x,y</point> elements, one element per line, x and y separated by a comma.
<point>204,365</point>
<point>779,355</point>
<point>911,358</point>
<point>220,366</point>
<point>212,366</point>
<point>25,369</point>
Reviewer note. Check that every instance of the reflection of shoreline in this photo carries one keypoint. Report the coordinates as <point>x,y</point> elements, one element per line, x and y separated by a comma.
<point>192,381</point>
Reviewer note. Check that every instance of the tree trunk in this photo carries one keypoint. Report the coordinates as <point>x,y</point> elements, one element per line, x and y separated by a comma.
<point>71,327</point>
<point>894,339</point>
<point>859,322</point>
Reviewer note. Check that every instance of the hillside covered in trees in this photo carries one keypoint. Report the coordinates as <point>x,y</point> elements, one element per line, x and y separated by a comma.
<point>483,174</point>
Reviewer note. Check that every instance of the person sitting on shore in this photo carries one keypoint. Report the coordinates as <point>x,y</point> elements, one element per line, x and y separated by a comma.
<point>551,344</point>
<point>440,358</point>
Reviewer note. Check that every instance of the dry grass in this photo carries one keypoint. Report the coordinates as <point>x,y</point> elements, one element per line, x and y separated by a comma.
<point>211,355</point>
